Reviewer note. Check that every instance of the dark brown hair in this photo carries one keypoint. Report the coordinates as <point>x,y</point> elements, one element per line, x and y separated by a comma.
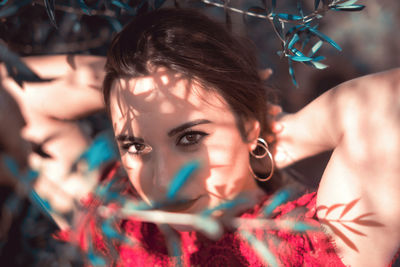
<point>195,46</point>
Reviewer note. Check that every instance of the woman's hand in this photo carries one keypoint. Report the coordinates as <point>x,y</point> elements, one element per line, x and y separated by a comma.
<point>49,110</point>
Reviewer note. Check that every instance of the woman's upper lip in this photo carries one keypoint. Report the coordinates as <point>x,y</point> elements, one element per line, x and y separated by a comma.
<point>179,205</point>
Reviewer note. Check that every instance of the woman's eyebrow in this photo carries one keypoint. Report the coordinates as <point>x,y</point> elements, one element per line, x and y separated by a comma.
<point>130,138</point>
<point>186,125</point>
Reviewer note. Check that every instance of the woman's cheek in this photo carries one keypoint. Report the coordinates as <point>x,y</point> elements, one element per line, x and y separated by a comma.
<point>228,172</point>
<point>134,169</point>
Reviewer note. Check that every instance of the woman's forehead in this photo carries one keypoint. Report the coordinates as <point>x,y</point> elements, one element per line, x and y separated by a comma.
<point>163,94</point>
<point>160,89</point>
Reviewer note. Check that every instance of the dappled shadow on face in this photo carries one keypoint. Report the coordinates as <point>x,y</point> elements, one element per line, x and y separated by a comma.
<point>145,94</point>
<point>150,107</point>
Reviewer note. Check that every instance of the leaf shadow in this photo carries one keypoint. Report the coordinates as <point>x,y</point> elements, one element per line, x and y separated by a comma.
<point>350,225</point>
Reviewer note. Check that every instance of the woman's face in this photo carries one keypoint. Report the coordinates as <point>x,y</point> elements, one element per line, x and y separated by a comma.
<point>163,121</point>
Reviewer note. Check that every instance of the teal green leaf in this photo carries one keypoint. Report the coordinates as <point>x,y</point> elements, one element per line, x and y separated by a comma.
<point>122,5</point>
<point>278,26</point>
<point>49,5</point>
<point>84,7</point>
<point>346,3</point>
<point>225,206</point>
<point>16,68</point>
<point>209,227</point>
<point>325,38</point>
<point>316,4</point>
<point>317,65</point>
<point>27,176</point>
<point>41,204</point>
<point>173,243</point>
<point>300,58</point>
<point>302,227</point>
<point>115,24</point>
<point>297,52</point>
<point>319,58</point>
<point>305,41</point>
<point>11,165</point>
<point>291,72</point>
<point>101,150</point>
<point>300,8</point>
<point>273,6</point>
<point>278,199</point>
<point>158,3</point>
<point>109,231</point>
<point>12,9</point>
<point>315,48</point>
<point>295,29</point>
<point>348,8</point>
<point>94,259</point>
<point>289,16</point>
<point>294,40</point>
<point>181,178</point>
<point>260,248</point>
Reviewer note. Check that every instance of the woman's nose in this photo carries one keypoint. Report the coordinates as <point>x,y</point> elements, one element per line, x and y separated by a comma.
<point>165,167</point>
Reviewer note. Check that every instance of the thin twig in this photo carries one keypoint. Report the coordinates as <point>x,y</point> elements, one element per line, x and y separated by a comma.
<point>78,11</point>
<point>238,10</point>
<point>197,220</point>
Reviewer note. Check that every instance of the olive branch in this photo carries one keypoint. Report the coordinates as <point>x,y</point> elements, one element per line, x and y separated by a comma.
<point>296,30</point>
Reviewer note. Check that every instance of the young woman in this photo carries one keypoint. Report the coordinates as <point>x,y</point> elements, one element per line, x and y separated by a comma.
<point>179,92</point>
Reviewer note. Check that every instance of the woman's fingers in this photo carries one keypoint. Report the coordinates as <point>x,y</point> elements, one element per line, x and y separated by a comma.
<point>11,142</point>
<point>265,74</point>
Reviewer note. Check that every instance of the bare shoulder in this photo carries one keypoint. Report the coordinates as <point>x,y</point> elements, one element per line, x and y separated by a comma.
<point>349,111</point>
<point>386,83</point>
<point>368,111</point>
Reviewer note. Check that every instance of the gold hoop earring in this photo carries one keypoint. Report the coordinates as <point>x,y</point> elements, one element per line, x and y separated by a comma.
<point>261,144</point>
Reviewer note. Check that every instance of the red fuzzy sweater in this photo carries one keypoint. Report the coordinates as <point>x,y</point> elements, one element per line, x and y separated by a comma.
<point>312,248</point>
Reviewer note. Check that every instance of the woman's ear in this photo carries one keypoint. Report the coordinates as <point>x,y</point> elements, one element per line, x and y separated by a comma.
<point>253,130</point>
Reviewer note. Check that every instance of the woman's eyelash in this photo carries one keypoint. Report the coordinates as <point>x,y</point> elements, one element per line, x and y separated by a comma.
<point>126,146</point>
<point>192,138</point>
<point>139,148</point>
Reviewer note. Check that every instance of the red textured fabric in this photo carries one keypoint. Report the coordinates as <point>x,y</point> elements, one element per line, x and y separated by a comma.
<point>312,248</point>
<point>148,246</point>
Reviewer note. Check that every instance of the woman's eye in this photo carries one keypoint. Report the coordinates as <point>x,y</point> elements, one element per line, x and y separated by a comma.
<point>190,138</point>
<point>136,148</point>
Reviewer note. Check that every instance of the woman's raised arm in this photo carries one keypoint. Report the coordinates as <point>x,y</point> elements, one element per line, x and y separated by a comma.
<point>74,91</point>
<point>342,112</point>
<point>359,193</point>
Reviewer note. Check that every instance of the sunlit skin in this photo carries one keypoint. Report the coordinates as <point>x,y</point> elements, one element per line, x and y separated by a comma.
<point>163,121</point>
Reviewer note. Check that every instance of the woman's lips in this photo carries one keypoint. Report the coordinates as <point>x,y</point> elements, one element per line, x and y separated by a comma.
<point>179,206</point>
